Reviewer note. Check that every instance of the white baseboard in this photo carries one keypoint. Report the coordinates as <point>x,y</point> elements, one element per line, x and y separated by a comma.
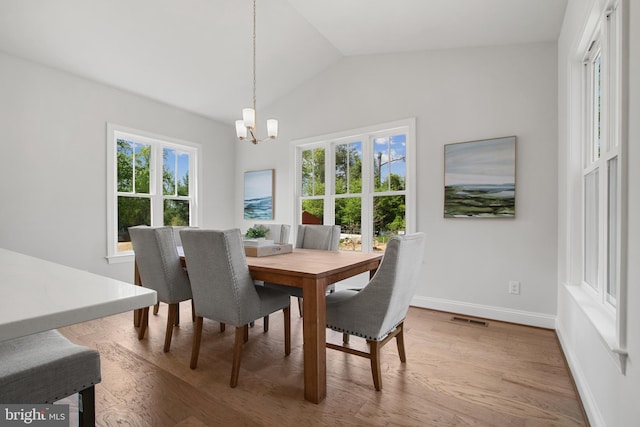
<point>488,312</point>
<point>588,401</point>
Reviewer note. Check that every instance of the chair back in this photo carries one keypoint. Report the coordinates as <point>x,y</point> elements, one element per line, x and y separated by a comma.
<point>383,303</point>
<point>325,237</point>
<point>159,263</point>
<point>220,280</point>
<point>279,233</point>
<point>176,232</point>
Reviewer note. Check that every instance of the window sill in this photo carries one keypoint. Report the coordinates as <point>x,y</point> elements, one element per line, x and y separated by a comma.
<point>602,320</point>
<point>121,258</point>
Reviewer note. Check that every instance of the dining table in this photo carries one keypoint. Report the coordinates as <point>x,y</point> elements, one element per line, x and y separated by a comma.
<point>40,295</point>
<point>312,270</point>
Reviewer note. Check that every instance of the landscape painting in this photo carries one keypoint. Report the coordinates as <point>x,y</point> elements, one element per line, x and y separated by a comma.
<point>480,178</point>
<point>258,194</point>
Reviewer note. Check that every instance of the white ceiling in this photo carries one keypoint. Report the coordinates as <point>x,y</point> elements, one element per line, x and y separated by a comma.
<point>196,54</point>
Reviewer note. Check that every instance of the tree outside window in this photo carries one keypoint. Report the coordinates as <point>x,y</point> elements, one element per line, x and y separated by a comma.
<point>153,186</point>
<point>366,176</point>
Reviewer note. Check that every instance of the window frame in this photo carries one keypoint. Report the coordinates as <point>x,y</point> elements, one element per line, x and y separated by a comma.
<point>156,194</point>
<point>604,36</point>
<point>365,135</point>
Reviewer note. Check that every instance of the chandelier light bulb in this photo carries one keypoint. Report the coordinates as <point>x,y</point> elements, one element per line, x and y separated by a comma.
<point>241,130</point>
<point>249,117</point>
<point>272,128</point>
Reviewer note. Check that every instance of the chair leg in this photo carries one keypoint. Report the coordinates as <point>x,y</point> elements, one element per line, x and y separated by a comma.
<point>177,318</point>
<point>193,311</point>
<point>265,322</point>
<point>300,306</point>
<point>223,326</point>
<point>237,354</point>
<point>374,349</point>
<point>400,343</point>
<point>87,407</point>
<point>197,337</point>
<point>171,320</point>
<point>156,308</point>
<point>345,338</point>
<point>287,330</point>
<point>245,333</point>
<point>144,321</point>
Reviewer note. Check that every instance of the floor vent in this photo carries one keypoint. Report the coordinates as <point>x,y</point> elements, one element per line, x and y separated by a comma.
<point>474,322</point>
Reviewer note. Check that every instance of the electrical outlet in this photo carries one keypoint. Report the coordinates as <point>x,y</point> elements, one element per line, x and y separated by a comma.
<point>514,287</point>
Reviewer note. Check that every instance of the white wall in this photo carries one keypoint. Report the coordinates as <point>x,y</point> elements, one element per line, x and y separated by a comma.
<point>53,162</point>
<point>456,95</point>
<point>610,398</point>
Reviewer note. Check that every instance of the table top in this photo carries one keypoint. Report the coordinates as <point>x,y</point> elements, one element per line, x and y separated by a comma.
<point>39,295</point>
<point>313,263</point>
<point>300,264</point>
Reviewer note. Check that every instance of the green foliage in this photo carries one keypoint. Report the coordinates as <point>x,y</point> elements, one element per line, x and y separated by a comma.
<point>134,172</point>
<point>176,212</point>
<point>349,168</point>
<point>389,214</point>
<point>313,172</point>
<point>349,214</point>
<point>125,166</point>
<point>315,207</point>
<point>389,211</point>
<point>132,211</point>
<point>256,232</point>
<point>142,172</point>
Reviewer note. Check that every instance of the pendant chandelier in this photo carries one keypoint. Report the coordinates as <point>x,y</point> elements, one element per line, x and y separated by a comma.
<point>246,128</point>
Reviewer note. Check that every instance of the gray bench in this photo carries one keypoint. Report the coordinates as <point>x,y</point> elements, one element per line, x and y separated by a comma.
<point>47,367</point>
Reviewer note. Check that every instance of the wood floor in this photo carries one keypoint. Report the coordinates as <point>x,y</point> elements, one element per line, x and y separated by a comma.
<point>457,374</point>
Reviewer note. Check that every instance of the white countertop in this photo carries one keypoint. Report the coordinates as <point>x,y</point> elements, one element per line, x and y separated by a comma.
<point>38,295</point>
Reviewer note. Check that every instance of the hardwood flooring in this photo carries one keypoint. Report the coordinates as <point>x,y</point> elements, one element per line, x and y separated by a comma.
<point>457,374</point>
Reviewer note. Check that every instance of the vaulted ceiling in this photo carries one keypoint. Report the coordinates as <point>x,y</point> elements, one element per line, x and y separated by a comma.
<point>196,54</point>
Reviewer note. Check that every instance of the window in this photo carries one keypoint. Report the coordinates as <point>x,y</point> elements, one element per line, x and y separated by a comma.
<point>601,175</point>
<point>361,180</point>
<point>602,288</point>
<point>152,181</point>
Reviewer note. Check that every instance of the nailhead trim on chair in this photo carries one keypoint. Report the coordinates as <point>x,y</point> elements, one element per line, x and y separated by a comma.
<point>357,334</point>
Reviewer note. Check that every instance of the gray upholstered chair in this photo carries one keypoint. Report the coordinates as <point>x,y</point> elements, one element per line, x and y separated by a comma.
<point>47,367</point>
<point>161,270</point>
<point>279,233</point>
<point>224,291</point>
<point>377,311</point>
<point>322,237</point>
<point>176,235</point>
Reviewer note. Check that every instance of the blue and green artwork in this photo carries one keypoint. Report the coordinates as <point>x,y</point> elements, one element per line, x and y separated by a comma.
<point>258,194</point>
<point>480,179</point>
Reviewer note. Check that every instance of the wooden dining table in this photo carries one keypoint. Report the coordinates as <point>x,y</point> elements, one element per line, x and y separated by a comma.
<point>312,270</point>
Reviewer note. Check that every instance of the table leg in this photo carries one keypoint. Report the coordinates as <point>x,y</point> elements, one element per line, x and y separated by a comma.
<point>315,338</point>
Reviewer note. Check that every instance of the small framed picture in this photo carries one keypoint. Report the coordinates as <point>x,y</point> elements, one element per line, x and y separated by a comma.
<point>258,194</point>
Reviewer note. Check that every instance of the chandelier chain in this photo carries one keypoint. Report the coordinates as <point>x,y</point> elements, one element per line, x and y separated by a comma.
<point>254,56</point>
<point>246,128</point>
